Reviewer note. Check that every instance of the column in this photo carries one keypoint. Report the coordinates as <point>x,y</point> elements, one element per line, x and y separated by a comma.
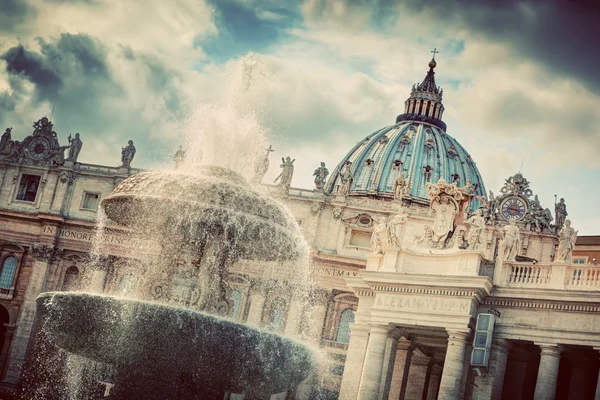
<point>434,381</point>
<point>257,305</point>
<point>370,381</point>
<point>490,385</point>
<point>43,256</point>
<point>294,316</point>
<point>317,314</point>
<point>404,352</point>
<point>452,373</point>
<point>417,375</point>
<point>359,336</point>
<point>389,359</point>
<point>545,386</point>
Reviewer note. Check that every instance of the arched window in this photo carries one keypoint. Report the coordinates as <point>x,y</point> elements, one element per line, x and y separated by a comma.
<point>7,274</point>
<point>236,309</point>
<point>277,316</point>
<point>343,332</point>
<point>71,280</point>
<point>126,284</point>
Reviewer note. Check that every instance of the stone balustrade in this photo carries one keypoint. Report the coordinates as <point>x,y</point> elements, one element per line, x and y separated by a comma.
<point>547,276</point>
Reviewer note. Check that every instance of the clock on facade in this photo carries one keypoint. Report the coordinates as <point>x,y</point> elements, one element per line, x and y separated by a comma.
<point>38,148</point>
<point>513,207</point>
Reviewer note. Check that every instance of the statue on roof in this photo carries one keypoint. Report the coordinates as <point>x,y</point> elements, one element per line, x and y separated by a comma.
<point>285,178</point>
<point>560,210</point>
<point>511,243</point>
<point>320,175</point>
<point>6,136</point>
<point>345,179</point>
<point>567,237</point>
<point>75,145</point>
<point>262,166</point>
<point>400,187</point>
<point>395,229</point>
<point>179,157</point>
<point>477,228</point>
<point>127,154</point>
<point>42,127</point>
<point>379,238</point>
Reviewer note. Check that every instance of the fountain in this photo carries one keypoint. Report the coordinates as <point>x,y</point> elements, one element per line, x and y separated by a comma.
<point>170,338</point>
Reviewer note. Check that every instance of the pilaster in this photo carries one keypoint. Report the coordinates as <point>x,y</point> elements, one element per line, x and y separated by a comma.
<point>417,375</point>
<point>43,256</point>
<point>490,385</point>
<point>404,352</point>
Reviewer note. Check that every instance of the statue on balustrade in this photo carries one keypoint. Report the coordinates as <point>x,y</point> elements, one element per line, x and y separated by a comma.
<point>6,136</point>
<point>285,178</point>
<point>567,237</point>
<point>395,229</point>
<point>476,230</point>
<point>127,154</point>
<point>75,147</point>
<point>511,244</point>
<point>320,175</point>
<point>560,210</point>
<point>179,157</point>
<point>345,179</point>
<point>378,238</point>
<point>262,166</point>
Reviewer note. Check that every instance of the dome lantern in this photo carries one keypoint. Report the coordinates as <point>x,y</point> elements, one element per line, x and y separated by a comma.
<point>425,101</point>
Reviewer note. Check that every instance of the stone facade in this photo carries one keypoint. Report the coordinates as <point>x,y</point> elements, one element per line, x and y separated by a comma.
<point>398,281</point>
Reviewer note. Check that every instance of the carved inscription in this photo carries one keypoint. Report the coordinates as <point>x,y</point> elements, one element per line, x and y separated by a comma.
<point>334,272</point>
<point>395,302</point>
<point>119,240</point>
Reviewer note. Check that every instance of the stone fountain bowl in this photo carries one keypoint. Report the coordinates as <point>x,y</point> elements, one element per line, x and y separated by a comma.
<point>155,346</point>
<point>213,202</point>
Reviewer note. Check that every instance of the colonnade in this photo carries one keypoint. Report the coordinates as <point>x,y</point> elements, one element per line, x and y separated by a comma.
<point>381,364</point>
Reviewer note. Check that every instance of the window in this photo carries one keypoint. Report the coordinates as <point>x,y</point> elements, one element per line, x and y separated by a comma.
<point>277,316</point>
<point>71,279</point>
<point>343,332</point>
<point>360,239</point>
<point>7,274</point>
<point>236,299</point>
<point>28,187</point>
<point>579,260</point>
<point>90,201</point>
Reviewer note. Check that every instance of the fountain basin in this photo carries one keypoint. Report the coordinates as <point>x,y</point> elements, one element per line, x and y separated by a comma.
<point>160,351</point>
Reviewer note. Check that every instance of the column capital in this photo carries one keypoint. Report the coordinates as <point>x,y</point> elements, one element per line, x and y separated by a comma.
<point>359,330</point>
<point>547,349</point>
<point>458,335</point>
<point>396,333</point>
<point>379,329</point>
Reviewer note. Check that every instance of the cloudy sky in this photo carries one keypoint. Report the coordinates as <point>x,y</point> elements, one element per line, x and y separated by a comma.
<point>520,79</point>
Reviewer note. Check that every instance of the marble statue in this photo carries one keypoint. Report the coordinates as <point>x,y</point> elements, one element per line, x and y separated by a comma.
<point>560,209</point>
<point>511,244</point>
<point>395,229</point>
<point>444,211</point>
<point>458,237</point>
<point>400,187</point>
<point>75,147</point>
<point>476,230</point>
<point>127,154</point>
<point>345,179</point>
<point>378,238</point>
<point>57,156</point>
<point>285,178</point>
<point>262,166</point>
<point>567,237</point>
<point>469,188</point>
<point>179,157</point>
<point>320,175</point>
<point>6,136</point>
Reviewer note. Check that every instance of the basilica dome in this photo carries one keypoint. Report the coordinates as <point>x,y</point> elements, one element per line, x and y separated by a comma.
<point>416,146</point>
